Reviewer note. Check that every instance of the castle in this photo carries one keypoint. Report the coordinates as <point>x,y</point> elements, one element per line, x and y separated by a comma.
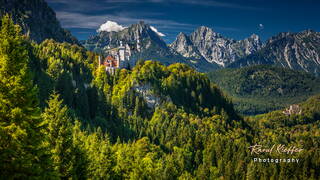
<point>117,58</point>
<point>293,109</point>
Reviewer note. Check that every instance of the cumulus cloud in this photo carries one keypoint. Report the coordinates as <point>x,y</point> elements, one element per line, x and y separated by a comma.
<point>156,31</point>
<point>261,26</point>
<point>110,26</point>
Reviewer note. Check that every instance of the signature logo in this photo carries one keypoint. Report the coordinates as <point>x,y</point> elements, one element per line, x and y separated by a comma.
<point>276,148</point>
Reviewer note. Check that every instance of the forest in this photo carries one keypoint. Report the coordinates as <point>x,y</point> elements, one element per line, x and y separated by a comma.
<point>260,89</point>
<point>63,117</point>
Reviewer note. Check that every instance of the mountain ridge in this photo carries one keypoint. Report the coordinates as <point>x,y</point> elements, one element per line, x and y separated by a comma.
<point>204,43</point>
<point>204,49</point>
<point>145,44</point>
<point>299,51</point>
<point>37,20</point>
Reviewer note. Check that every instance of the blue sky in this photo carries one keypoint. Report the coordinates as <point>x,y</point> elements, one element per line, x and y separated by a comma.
<point>235,19</point>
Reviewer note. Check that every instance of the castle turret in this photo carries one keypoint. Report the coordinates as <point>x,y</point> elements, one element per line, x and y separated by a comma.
<point>122,56</point>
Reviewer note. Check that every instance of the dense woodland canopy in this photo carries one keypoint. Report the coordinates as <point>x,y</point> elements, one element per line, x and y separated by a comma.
<point>263,88</point>
<point>62,116</point>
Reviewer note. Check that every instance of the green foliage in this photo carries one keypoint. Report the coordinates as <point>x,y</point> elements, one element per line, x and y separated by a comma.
<point>58,130</point>
<point>298,130</point>
<point>21,153</point>
<point>150,122</point>
<point>261,89</point>
<point>66,69</point>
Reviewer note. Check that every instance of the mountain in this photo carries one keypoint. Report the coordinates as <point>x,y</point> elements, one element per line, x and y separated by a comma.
<point>144,43</point>
<point>185,47</point>
<point>37,20</point>
<point>299,51</point>
<point>206,44</point>
<point>147,122</point>
<point>141,37</point>
<point>262,88</point>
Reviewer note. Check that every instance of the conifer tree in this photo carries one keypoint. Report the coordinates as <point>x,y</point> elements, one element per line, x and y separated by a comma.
<point>20,140</point>
<point>59,136</point>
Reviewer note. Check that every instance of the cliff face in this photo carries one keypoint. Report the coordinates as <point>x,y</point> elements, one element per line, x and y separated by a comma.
<point>299,51</point>
<point>185,47</point>
<point>145,44</point>
<point>140,35</point>
<point>37,20</point>
<point>206,44</point>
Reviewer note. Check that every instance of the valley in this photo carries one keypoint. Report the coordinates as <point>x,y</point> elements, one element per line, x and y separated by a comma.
<point>263,88</point>
<point>126,104</point>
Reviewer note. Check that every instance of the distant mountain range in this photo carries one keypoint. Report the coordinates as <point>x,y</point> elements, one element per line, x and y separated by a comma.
<point>204,49</point>
<point>206,44</point>
<point>207,50</point>
<point>299,51</point>
<point>145,44</point>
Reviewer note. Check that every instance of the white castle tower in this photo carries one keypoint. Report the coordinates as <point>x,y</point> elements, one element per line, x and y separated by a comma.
<point>122,56</point>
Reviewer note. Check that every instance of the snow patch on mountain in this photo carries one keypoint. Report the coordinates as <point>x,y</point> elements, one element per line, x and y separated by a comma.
<point>156,31</point>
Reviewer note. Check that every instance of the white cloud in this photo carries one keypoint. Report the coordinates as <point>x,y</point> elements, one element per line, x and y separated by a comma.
<point>156,31</point>
<point>110,26</point>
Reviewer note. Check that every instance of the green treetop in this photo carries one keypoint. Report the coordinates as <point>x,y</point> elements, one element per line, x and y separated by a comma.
<point>20,139</point>
<point>59,135</point>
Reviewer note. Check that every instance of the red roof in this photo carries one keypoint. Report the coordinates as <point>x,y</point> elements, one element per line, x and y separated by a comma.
<point>110,61</point>
<point>110,58</point>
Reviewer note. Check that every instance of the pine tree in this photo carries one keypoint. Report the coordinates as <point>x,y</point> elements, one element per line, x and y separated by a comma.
<point>59,136</point>
<point>21,153</point>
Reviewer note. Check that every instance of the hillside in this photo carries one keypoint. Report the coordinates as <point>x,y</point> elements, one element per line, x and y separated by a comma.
<point>90,92</point>
<point>36,19</point>
<point>63,117</point>
<point>309,114</point>
<point>260,89</point>
<point>299,130</point>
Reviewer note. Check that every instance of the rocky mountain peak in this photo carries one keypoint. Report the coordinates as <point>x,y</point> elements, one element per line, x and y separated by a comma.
<point>181,35</point>
<point>144,42</point>
<point>299,51</point>
<point>206,32</point>
<point>183,38</point>
<point>204,29</point>
<point>140,26</point>
<point>251,44</point>
<point>255,37</point>
<point>206,44</point>
<point>184,46</point>
<point>277,37</point>
<point>308,32</point>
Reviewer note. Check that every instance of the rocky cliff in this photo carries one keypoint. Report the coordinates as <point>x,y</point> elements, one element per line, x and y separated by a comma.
<point>206,44</point>
<point>37,20</point>
<point>299,51</point>
<point>145,44</point>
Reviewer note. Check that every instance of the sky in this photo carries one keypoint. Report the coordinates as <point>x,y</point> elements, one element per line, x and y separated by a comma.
<point>236,19</point>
